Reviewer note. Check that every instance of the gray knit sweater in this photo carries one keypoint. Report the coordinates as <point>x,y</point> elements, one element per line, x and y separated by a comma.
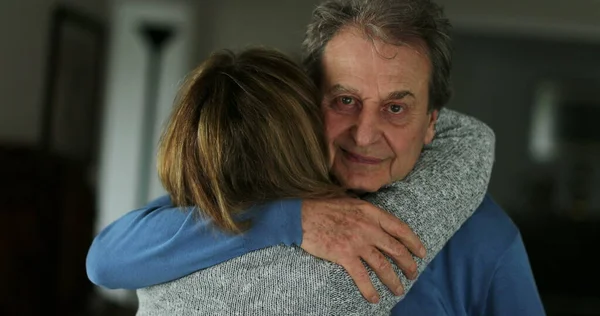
<point>445,187</point>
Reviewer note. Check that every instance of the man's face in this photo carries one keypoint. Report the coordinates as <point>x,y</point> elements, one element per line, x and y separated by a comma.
<point>375,108</point>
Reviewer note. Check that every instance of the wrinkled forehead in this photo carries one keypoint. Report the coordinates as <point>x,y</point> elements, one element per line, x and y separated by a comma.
<point>353,59</point>
<point>381,41</point>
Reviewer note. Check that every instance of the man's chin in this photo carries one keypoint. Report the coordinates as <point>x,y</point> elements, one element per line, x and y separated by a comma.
<point>359,182</point>
<point>361,187</point>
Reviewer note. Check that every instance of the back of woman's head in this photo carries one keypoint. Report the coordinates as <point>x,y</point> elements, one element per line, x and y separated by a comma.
<point>246,128</point>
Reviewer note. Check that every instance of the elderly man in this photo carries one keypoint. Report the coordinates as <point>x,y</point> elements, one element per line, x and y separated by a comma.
<point>383,67</point>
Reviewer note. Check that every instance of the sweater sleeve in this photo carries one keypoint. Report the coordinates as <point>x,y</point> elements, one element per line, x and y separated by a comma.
<point>446,186</point>
<point>160,243</point>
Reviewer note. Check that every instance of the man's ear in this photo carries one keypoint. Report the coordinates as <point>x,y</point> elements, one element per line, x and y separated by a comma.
<point>430,133</point>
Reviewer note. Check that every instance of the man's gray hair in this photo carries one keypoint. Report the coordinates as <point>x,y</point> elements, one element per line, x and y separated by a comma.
<point>392,21</point>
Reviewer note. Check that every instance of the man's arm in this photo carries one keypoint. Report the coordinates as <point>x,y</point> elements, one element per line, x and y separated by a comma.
<point>513,290</point>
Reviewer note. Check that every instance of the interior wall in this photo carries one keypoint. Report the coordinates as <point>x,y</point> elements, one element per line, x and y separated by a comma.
<point>24,34</point>
<point>495,79</point>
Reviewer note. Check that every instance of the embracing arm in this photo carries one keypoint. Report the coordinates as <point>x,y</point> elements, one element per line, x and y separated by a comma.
<point>160,243</point>
<point>446,186</point>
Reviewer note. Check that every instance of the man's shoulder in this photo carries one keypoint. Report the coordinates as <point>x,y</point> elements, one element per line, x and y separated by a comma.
<point>489,231</point>
<point>463,270</point>
<point>489,215</point>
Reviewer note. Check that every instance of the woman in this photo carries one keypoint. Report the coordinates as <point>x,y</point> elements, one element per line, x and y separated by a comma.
<point>246,130</point>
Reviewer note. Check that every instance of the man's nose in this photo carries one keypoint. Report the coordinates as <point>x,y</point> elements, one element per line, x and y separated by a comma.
<point>367,129</point>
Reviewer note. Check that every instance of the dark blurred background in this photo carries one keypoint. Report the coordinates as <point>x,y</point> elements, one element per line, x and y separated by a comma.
<point>85,86</point>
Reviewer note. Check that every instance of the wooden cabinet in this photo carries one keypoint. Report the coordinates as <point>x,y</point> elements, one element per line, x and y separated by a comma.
<point>46,226</point>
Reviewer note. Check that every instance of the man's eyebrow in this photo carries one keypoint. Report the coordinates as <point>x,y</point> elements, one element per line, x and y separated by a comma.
<point>340,88</point>
<point>397,95</point>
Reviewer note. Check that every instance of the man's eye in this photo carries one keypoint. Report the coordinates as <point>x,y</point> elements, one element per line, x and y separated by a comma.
<point>395,108</point>
<point>346,100</point>
<point>345,104</point>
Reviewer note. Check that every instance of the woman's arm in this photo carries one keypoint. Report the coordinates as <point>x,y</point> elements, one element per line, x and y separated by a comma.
<point>446,186</point>
<point>158,244</point>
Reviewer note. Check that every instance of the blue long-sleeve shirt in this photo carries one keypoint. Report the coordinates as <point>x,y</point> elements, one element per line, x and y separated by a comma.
<point>482,270</point>
<point>166,228</point>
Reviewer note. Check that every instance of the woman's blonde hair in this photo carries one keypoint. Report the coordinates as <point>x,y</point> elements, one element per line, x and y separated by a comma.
<point>246,129</point>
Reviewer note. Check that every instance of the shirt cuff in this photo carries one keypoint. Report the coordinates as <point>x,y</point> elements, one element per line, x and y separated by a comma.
<point>275,223</point>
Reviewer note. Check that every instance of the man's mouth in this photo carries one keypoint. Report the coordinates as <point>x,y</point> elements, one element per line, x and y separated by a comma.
<point>360,159</point>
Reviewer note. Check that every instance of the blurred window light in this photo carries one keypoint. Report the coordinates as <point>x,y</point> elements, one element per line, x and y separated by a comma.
<point>542,137</point>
